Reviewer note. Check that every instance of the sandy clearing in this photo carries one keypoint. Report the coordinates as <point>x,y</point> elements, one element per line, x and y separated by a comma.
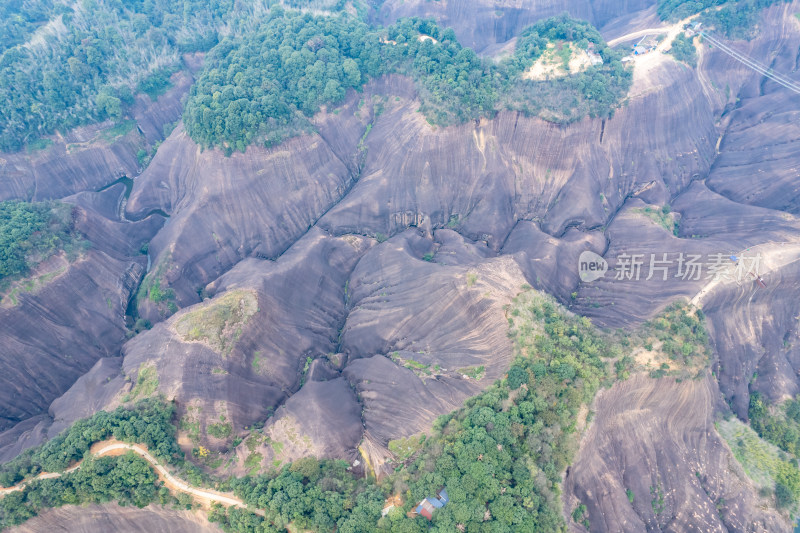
<point>646,62</point>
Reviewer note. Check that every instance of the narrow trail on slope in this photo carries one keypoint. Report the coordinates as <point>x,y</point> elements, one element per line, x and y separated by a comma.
<point>115,448</point>
<point>672,30</point>
<point>773,257</point>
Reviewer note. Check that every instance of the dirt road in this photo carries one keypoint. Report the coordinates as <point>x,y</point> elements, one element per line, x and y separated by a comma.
<point>646,62</point>
<point>204,497</point>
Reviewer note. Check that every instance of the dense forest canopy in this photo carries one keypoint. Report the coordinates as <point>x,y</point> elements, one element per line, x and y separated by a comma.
<point>148,422</point>
<point>780,425</point>
<point>532,42</point>
<point>20,18</point>
<point>68,64</point>
<point>674,10</point>
<point>736,19</point>
<point>683,49</point>
<point>72,64</point>
<point>128,479</point>
<point>265,86</point>
<point>64,64</point>
<point>271,80</point>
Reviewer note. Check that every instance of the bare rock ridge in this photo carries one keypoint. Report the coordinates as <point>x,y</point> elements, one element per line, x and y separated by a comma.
<point>72,313</point>
<point>657,439</point>
<point>73,316</point>
<point>112,517</point>
<point>254,204</point>
<point>366,267</point>
<point>248,377</point>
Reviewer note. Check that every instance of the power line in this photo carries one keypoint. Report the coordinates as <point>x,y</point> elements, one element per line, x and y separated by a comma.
<point>754,65</point>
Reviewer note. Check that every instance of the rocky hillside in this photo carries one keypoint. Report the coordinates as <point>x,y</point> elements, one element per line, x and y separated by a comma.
<point>336,293</point>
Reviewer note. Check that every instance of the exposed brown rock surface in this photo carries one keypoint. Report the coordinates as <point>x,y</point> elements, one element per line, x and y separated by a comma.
<point>346,289</point>
<point>111,517</point>
<point>657,438</point>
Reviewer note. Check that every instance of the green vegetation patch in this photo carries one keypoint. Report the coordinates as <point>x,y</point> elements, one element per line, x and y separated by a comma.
<point>148,423</point>
<point>736,19</point>
<point>146,382</point>
<point>674,10</point>
<point>29,285</point>
<point>683,49</point>
<point>763,463</point>
<point>190,423</point>
<point>265,85</point>
<point>681,329</point>
<point>39,145</point>
<point>118,130</point>
<point>410,363</point>
<point>156,83</point>
<point>595,91</point>
<point>65,64</point>
<point>657,499</point>
<point>32,232</point>
<point>579,516</point>
<point>662,217</point>
<point>220,321</point>
<point>406,447</point>
<point>253,460</point>
<point>221,430</point>
<point>778,424</point>
<point>473,372</point>
<point>151,288</point>
<point>256,364</point>
<point>127,479</point>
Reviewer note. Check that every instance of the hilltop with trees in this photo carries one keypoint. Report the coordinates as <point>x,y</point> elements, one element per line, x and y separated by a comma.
<point>266,86</point>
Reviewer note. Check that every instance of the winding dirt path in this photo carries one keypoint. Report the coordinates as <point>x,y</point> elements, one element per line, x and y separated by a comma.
<point>672,30</point>
<point>205,497</point>
<point>774,256</point>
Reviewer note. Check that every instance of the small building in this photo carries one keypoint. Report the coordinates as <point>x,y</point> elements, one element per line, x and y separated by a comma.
<point>645,45</point>
<point>594,58</point>
<point>427,506</point>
